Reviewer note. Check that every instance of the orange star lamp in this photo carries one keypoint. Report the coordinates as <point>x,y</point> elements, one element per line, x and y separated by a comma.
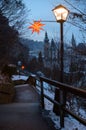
<point>36,26</point>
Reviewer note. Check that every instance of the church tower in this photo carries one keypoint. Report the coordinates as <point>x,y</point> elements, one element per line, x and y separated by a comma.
<point>46,47</point>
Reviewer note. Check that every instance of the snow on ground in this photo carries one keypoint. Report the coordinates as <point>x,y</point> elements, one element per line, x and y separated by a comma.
<point>18,77</point>
<point>70,123</point>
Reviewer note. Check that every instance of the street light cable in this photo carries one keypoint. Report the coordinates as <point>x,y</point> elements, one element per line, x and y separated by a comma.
<point>75,7</point>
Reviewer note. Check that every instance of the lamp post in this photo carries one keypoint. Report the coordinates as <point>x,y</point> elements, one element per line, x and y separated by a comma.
<point>61,14</point>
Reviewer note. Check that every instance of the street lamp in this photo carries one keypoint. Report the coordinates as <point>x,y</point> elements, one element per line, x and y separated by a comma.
<point>61,14</point>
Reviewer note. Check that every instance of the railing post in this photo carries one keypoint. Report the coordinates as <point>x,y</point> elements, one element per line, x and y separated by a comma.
<point>63,91</point>
<point>63,104</point>
<point>42,95</point>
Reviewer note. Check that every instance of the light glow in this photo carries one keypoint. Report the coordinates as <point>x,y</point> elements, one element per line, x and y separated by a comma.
<point>23,67</point>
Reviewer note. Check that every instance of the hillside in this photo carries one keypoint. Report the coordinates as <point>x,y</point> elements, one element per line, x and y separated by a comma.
<point>34,46</point>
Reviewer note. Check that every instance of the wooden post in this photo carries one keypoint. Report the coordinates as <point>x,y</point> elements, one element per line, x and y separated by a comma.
<point>42,95</point>
<point>56,109</point>
<point>63,104</point>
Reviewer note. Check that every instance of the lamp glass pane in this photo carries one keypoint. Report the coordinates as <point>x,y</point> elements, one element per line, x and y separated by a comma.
<point>61,14</point>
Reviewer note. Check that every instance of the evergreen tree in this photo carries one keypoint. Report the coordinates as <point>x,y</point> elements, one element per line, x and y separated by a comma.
<point>53,50</point>
<point>10,46</point>
<point>33,65</point>
<point>40,61</point>
<point>10,21</point>
<point>8,36</point>
<point>73,42</point>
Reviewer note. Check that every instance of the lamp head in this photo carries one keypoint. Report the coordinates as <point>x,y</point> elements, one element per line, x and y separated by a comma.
<point>60,13</point>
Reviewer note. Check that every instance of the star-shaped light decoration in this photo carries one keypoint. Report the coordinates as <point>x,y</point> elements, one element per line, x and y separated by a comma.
<point>36,26</point>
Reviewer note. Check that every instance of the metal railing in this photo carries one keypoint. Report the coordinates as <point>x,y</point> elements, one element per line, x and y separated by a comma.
<point>65,89</point>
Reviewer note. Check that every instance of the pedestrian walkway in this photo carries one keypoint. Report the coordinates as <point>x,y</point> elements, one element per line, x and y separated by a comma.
<point>24,113</point>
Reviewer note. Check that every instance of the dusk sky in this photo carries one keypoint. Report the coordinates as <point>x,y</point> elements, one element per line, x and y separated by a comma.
<point>42,10</point>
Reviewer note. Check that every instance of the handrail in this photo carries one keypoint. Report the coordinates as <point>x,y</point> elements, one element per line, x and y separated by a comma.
<point>65,89</point>
<point>68,88</point>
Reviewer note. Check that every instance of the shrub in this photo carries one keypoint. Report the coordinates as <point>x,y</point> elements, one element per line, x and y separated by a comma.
<point>9,70</point>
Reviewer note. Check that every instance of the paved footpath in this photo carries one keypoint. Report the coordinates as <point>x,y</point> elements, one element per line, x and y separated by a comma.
<point>24,113</point>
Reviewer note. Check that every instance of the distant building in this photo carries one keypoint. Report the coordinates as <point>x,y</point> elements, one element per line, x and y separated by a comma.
<point>50,52</point>
<point>46,47</point>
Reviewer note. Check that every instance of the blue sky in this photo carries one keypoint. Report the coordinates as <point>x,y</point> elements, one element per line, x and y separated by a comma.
<point>42,10</point>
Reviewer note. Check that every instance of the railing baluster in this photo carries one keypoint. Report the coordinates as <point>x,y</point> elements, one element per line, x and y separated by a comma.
<point>42,95</point>
<point>63,104</point>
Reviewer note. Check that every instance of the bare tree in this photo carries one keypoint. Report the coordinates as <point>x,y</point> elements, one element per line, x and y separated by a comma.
<point>15,12</point>
<point>77,16</point>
